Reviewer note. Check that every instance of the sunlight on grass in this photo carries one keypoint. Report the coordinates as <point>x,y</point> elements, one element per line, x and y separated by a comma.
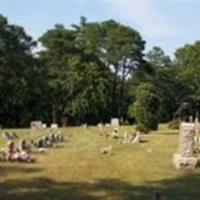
<point>76,169</point>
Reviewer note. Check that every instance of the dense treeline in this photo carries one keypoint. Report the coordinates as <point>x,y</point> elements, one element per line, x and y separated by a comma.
<point>91,72</point>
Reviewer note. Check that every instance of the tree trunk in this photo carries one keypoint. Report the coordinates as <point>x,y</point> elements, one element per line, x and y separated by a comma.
<point>54,114</point>
<point>121,104</point>
<point>114,96</point>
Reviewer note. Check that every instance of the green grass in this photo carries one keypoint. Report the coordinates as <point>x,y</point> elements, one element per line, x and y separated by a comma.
<point>77,171</point>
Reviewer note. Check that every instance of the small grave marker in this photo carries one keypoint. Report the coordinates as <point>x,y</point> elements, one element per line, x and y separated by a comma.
<point>115,121</point>
<point>36,125</point>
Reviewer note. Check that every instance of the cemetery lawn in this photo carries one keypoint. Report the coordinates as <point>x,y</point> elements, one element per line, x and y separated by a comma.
<point>76,170</point>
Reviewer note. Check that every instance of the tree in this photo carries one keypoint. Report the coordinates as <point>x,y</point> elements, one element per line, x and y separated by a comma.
<point>16,65</point>
<point>106,53</point>
<point>157,58</point>
<point>76,79</point>
<point>58,45</point>
<point>145,108</point>
<point>123,49</point>
<point>187,62</point>
<point>117,47</point>
<point>165,79</point>
<point>171,90</point>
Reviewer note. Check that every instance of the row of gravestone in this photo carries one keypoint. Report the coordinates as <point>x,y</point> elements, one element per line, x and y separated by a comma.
<point>38,125</point>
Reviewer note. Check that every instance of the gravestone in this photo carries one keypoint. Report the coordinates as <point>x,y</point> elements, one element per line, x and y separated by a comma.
<point>44,126</point>
<point>36,125</point>
<point>100,126</point>
<point>54,126</point>
<point>185,157</point>
<point>196,126</point>
<point>107,125</point>
<point>191,119</point>
<point>85,125</point>
<point>115,121</point>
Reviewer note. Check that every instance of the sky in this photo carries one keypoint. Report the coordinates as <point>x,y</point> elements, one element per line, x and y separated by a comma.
<point>169,24</point>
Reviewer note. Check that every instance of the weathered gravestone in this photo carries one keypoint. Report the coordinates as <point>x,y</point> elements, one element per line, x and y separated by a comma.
<point>185,157</point>
<point>191,119</point>
<point>54,126</point>
<point>107,125</point>
<point>44,125</point>
<point>196,121</point>
<point>115,121</point>
<point>36,125</point>
<point>100,126</point>
<point>85,125</point>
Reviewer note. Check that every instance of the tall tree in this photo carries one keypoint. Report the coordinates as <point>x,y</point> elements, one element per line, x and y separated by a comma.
<point>187,62</point>
<point>76,77</point>
<point>166,80</point>
<point>145,108</point>
<point>119,48</point>
<point>157,58</point>
<point>16,65</point>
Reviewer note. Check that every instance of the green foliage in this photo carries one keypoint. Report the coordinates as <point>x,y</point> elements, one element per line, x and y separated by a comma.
<point>157,58</point>
<point>145,108</point>
<point>188,66</point>
<point>87,63</point>
<point>118,48</point>
<point>76,77</point>
<point>17,66</point>
<point>174,124</point>
<point>142,128</point>
<point>93,71</point>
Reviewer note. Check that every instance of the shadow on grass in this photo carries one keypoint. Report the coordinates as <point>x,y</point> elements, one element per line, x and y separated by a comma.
<point>22,168</point>
<point>58,146</point>
<point>144,141</point>
<point>183,188</point>
<point>174,132</point>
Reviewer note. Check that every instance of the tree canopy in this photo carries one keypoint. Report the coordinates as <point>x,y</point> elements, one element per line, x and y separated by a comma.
<point>92,71</point>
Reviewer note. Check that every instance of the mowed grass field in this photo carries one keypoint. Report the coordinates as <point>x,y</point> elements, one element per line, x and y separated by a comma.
<point>76,170</point>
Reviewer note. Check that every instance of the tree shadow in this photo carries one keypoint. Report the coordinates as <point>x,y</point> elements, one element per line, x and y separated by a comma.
<point>174,132</point>
<point>40,188</point>
<point>43,189</point>
<point>20,168</point>
<point>144,141</point>
<point>183,188</point>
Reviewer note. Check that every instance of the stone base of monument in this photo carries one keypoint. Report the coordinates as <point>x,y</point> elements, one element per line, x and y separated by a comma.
<point>181,162</point>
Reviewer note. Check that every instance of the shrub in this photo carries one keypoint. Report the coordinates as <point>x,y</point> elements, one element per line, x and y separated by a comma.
<point>141,128</point>
<point>152,122</point>
<point>145,108</point>
<point>174,124</point>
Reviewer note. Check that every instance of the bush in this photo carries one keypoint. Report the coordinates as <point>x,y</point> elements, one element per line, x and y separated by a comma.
<point>141,128</point>
<point>174,124</point>
<point>145,108</point>
<point>152,123</point>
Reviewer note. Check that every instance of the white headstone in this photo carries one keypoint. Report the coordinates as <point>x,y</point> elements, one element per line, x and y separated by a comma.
<point>196,126</point>
<point>54,126</point>
<point>85,125</point>
<point>36,125</point>
<point>44,126</point>
<point>107,125</point>
<point>191,119</point>
<point>115,121</point>
<point>100,126</point>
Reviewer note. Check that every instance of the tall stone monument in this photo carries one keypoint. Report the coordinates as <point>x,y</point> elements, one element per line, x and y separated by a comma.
<point>185,157</point>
